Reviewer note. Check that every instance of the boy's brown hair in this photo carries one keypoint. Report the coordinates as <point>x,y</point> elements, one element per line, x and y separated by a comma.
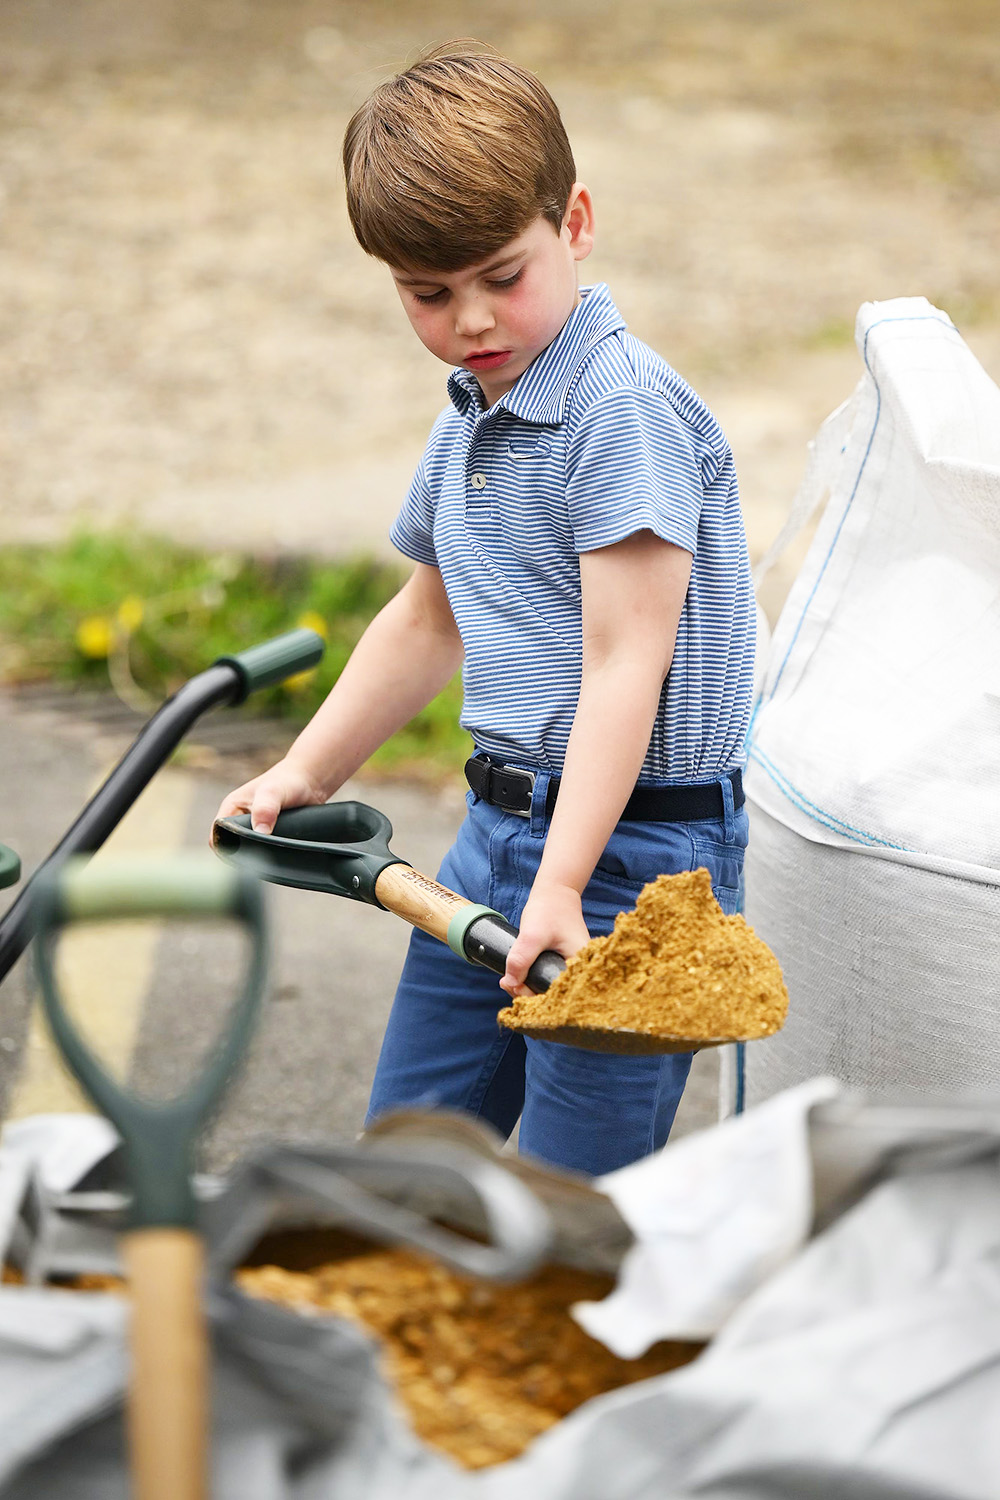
<point>454,158</point>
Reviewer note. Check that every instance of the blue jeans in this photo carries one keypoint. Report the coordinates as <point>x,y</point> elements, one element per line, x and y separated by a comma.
<point>588,1111</point>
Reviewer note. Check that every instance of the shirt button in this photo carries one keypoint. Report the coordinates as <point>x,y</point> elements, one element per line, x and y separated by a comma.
<point>479,481</point>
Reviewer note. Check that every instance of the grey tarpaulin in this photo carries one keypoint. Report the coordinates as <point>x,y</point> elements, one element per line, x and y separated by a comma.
<point>868,1366</point>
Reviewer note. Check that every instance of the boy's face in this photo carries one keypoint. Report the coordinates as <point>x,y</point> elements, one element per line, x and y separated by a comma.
<point>495,317</point>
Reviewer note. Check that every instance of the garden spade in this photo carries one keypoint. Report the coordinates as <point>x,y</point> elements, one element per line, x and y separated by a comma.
<point>162,1252</point>
<point>342,848</point>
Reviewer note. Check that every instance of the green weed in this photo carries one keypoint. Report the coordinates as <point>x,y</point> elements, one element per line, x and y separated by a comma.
<point>150,615</point>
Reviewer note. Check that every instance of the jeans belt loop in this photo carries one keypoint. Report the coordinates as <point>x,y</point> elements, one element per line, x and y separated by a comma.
<point>539,816</point>
<point>729,809</point>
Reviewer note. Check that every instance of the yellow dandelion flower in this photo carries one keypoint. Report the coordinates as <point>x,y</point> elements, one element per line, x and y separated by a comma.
<point>130,613</point>
<point>310,620</point>
<point>95,636</point>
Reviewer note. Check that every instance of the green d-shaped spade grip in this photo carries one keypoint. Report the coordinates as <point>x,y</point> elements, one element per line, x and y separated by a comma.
<point>158,1137</point>
<point>342,848</point>
<point>169,1388</point>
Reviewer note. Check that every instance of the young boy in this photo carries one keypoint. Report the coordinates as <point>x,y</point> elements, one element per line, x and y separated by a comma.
<point>579,548</point>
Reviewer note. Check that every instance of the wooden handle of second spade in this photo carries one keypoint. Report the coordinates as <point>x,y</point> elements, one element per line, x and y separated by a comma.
<point>168,1395</point>
<point>424,903</point>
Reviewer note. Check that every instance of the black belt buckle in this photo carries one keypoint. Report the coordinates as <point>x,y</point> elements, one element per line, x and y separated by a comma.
<point>506,787</point>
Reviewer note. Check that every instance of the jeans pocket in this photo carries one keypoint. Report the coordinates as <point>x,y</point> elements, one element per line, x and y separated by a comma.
<point>637,852</point>
<point>724,862</point>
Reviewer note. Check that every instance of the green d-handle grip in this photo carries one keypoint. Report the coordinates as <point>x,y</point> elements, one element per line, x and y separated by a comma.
<point>10,867</point>
<point>272,661</point>
<point>339,848</point>
<point>158,1137</point>
<point>342,848</point>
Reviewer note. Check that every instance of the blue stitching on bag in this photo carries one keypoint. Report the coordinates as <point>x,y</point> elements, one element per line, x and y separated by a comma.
<point>819,814</point>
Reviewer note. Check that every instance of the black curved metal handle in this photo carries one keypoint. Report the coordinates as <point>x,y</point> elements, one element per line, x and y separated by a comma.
<point>227,681</point>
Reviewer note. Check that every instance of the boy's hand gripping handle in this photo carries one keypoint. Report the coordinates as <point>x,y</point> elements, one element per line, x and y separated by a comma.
<point>477,933</point>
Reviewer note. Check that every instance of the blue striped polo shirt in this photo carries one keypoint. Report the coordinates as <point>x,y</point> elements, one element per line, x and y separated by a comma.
<point>598,439</point>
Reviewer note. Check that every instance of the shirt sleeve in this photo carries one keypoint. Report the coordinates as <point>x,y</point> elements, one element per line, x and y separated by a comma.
<point>633,464</point>
<point>413,529</point>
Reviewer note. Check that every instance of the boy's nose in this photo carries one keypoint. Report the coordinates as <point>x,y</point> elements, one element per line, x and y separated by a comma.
<point>473,318</point>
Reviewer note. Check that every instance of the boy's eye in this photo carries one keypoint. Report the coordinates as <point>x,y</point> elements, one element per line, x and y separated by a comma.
<point>509,280</point>
<point>429,297</point>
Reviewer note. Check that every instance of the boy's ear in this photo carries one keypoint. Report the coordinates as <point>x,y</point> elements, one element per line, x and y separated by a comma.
<point>578,221</point>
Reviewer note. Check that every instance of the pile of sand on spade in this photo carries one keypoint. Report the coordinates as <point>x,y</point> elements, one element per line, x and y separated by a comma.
<point>676,966</point>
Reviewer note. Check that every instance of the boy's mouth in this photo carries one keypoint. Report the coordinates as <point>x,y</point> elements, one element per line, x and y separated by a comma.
<point>487,359</point>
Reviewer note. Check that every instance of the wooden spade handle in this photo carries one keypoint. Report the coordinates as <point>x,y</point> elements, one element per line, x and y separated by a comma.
<point>168,1395</point>
<point>418,899</point>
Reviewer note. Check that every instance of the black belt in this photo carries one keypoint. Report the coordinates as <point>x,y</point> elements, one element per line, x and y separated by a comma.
<point>510,788</point>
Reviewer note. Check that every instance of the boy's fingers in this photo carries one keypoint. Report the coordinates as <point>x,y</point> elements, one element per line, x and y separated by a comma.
<point>264,812</point>
<point>227,807</point>
<point>238,801</point>
<point>519,961</point>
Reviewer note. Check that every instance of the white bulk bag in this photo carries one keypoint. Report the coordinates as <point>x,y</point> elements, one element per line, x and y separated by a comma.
<point>864,1364</point>
<point>874,862</point>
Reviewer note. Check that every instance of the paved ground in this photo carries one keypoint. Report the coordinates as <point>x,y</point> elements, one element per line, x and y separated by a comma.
<point>154,997</point>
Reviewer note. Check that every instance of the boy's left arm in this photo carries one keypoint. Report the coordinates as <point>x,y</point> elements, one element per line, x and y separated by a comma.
<point>633,593</point>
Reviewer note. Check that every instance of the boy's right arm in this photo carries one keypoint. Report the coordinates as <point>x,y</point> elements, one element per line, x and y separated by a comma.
<point>409,652</point>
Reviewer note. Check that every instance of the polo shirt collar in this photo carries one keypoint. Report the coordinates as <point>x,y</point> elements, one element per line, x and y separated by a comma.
<point>539,395</point>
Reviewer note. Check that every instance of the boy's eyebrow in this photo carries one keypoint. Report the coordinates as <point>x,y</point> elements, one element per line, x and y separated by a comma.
<point>430,278</point>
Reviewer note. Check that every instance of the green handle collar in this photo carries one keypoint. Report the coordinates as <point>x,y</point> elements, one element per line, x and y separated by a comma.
<point>460,924</point>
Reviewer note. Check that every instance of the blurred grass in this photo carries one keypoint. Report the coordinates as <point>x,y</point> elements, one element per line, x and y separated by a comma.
<point>147,615</point>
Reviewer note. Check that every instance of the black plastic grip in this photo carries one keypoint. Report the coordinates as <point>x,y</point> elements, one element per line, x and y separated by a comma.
<point>490,939</point>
